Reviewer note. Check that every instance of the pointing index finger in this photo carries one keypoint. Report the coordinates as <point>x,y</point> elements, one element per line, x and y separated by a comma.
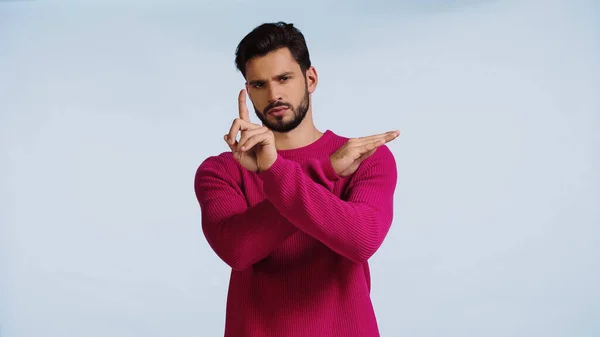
<point>243,110</point>
<point>388,136</point>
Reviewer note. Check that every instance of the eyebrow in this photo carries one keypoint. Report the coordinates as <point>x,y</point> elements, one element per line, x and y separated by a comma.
<point>287,73</point>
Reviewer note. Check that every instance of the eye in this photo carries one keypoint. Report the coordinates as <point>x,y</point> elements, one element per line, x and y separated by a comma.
<point>257,85</point>
<point>285,78</point>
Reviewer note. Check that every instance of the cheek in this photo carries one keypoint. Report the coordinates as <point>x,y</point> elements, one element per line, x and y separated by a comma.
<point>299,92</point>
<point>257,100</point>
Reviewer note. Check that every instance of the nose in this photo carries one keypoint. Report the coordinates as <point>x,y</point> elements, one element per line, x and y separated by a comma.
<point>274,93</point>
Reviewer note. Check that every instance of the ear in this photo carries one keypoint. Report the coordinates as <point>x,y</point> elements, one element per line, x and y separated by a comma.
<point>312,79</point>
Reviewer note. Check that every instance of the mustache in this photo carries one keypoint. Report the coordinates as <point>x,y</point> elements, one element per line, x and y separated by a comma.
<point>276,105</point>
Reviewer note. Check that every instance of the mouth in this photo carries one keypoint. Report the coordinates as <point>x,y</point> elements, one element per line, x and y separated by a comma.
<point>278,111</point>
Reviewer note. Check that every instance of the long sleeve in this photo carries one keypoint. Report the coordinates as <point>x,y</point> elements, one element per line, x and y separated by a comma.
<point>239,235</point>
<point>321,171</point>
<point>353,226</point>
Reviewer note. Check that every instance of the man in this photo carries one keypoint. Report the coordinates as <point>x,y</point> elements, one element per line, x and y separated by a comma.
<point>294,211</point>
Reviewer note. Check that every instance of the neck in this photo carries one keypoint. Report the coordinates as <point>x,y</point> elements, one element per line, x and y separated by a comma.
<point>305,134</point>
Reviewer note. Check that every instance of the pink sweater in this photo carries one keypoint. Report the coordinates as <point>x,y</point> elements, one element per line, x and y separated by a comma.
<point>297,238</point>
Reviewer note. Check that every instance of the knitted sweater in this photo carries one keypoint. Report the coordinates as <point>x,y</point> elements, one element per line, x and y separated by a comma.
<point>297,237</point>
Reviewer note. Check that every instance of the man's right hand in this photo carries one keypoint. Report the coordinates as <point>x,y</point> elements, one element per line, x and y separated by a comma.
<point>347,159</point>
<point>256,149</point>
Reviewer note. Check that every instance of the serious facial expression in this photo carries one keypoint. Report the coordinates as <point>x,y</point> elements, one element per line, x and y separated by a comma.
<point>279,90</point>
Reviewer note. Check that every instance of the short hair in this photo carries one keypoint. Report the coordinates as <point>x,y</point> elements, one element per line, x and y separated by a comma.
<point>269,37</point>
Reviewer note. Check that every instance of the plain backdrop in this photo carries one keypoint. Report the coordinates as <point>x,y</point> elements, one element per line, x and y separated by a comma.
<point>107,109</point>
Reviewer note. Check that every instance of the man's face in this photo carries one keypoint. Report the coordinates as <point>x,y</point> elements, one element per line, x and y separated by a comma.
<point>279,91</point>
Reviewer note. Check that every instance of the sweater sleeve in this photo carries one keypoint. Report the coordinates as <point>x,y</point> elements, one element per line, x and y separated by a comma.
<point>239,235</point>
<point>321,171</point>
<point>354,227</point>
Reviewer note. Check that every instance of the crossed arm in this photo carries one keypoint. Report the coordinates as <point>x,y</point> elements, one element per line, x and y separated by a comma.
<point>354,227</point>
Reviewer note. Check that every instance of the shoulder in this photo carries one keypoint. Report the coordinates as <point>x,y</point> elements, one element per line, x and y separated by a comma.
<point>335,140</point>
<point>382,159</point>
<point>221,159</point>
<point>221,165</point>
<point>377,172</point>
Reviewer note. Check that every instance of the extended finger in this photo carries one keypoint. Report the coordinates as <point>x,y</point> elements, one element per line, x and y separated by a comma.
<point>370,146</point>
<point>243,109</point>
<point>357,150</point>
<point>368,142</point>
<point>388,136</point>
<point>247,135</point>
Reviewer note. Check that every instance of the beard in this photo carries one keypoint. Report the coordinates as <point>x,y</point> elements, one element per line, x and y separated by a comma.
<point>280,124</point>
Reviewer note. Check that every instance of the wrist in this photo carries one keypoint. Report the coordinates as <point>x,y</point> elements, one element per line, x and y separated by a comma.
<point>265,165</point>
<point>329,170</point>
<point>275,170</point>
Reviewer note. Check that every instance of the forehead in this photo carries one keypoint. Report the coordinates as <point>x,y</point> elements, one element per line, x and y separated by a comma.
<point>272,64</point>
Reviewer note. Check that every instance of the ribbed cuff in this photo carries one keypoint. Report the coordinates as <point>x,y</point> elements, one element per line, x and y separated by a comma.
<point>328,169</point>
<point>276,170</point>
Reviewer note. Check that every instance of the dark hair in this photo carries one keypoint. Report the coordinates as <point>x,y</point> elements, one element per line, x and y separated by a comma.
<point>269,37</point>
